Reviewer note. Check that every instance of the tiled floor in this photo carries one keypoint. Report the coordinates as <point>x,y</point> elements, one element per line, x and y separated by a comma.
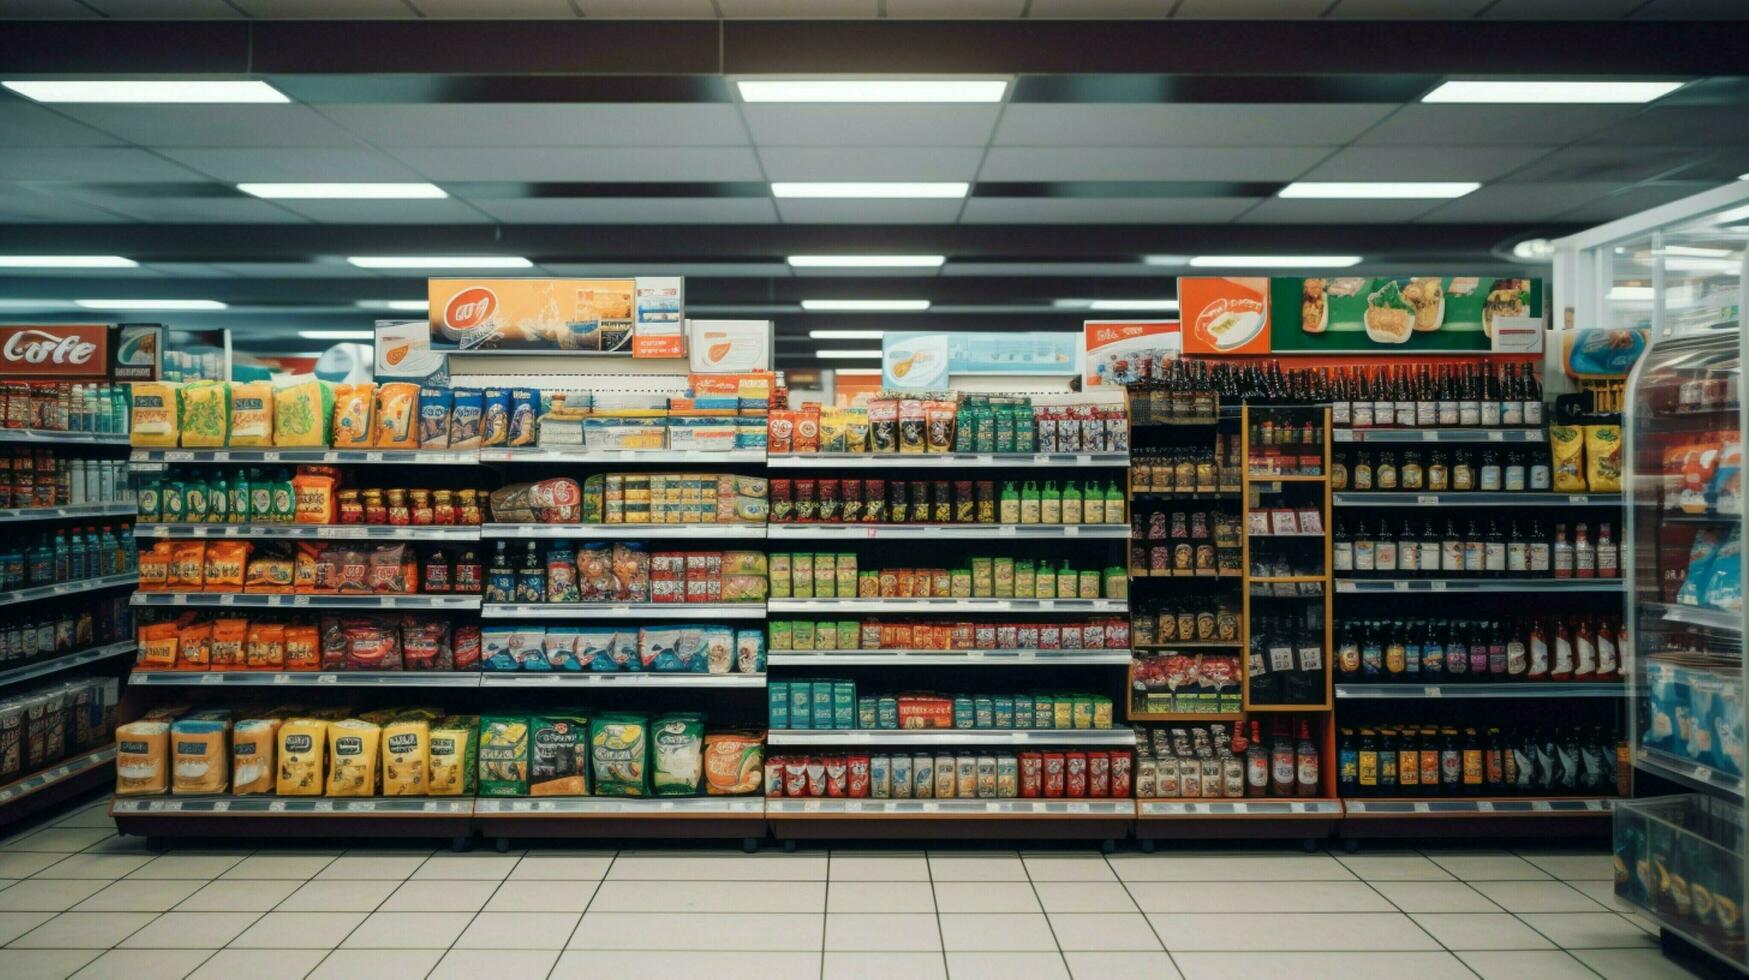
<point>76,900</point>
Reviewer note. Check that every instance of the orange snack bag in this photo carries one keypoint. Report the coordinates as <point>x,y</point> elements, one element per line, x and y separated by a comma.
<point>265,647</point>
<point>306,566</point>
<point>313,499</point>
<point>303,648</point>
<point>154,566</point>
<point>158,645</point>
<point>397,416</point>
<point>270,574</point>
<point>225,564</point>
<point>354,415</point>
<point>229,639</point>
<point>187,565</point>
<point>194,648</point>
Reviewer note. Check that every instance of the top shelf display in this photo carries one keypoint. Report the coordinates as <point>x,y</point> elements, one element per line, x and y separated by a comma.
<point>53,437</point>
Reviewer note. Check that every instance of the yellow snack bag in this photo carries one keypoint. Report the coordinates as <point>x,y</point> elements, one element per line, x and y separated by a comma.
<point>406,757</point>
<point>453,750</point>
<point>206,413</point>
<point>157,413</point>
<point>252,745</point>
<point>354,415</point>
<point>303,745</point>
<point>142,758</point>
<point>397,416</point>
<point>352,758</point>
<point>1567,444</point>
<point>1603,458</point>
<point>303,406</point>
<point>251,413</point>
<point>200,763</point>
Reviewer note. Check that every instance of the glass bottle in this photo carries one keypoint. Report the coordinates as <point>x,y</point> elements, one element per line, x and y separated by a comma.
<point>1563,553</point>
<point>1413,476</point>
<point>1584,555</point>
<point>1438,475</point>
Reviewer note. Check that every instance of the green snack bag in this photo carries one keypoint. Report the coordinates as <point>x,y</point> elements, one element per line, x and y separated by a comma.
<point>455,752</point>
<point>677,754</point>
<point>618,755</point>
<point>503,756</point>
<point>284,501</point>
<point>151,499</point>
<point>218,501</point>
<point>194,503</point>
<point>240,498</point>
<point>559,756</point>
<point>173,500</point>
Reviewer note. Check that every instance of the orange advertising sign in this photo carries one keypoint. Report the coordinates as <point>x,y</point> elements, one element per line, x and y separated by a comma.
<point>1224,315</point>
<point>1123,351</point>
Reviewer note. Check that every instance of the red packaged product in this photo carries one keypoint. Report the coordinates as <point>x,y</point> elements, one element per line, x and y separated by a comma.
<point>774,780</point>
<point>903,638</point>
<point>1098,775</point>
<point>465,647</point>
<point>780,429</point>
<point>1008,636</point>
<point>984,636</point>
<point>1029,637</point>
<point>372,646</point>
<point>1093,637</point>
<point>1121,766</point>
<point>807,434</point>
<point>1075,774</point>
<point>837,776</point>
<point>965,636</point>
<point>1053,774</point>
<point>333,643</point>
<point>425,646</point>
<point>1032,774</point>
<point>858,776</point>
<point>1117,634</point>
<point>807,503</point>
<point>813,781</point>
<point>1050,637</point>
<point>851,492</point>
<point>831,512</point>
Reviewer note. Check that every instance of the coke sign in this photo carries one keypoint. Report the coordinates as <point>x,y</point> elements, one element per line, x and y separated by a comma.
<point>58,351</point>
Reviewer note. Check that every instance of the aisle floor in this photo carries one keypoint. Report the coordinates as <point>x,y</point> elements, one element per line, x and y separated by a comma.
<point>77,900</point>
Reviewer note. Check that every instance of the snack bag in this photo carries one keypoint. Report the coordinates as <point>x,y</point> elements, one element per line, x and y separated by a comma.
<point>251,413</point>
<point>465,418</point>
<point>617,755</point>
<point>313,499</point>
<point>397,416</point>
<point>303,648</point>
<point>352,758</point>
<point>503,756</point>
<point>158,645</point>
<point>354,415</point>
<point>495,418</point>
<point>194,647</point>
<point>1603,458</point>
<point>303,745</point>
<point>225,564</point>
<point>453,753</point>
<point>1700,563</point>
<point>734,764</point>
<point>303,410</point>
<point>559,760</point>
<point>434,412</point>
<point>1725,579</point>
<point>264,646</point>
<point>676,754</point>
<point>199,753</point>
<point>252,745</point>
<point>1567,444</point>
<point>206,413</point>
<point>142,758</point>
<point>156,413</point>
<point>406,756</point>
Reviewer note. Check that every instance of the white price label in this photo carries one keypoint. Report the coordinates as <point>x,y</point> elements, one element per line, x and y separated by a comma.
<point>1426,498</point>
<point>213,679</point>
<point>1484,806</point>
<point>429,806</point>
<point>1083,459</point>
<point>178,457</point>
<point>1006,531</point>
<point>373,457</point>
<point>1432,692</point>
<point>993,808</point>
<point>1495,435</point>
<point>227,599</point>
<point>974,654</point>
<point>1437,585</point>
<point>276,806</point>
<point>852,806</point>
<point>170,806</point>
<point>984,459</point>
<point>327,678</point>
<point>221,806</point>
<point>282,678</point>
<point>1071,531</point>
<point>322,806</point>
<point>1578,498</point>
<point>270,456</point>
<point>1400,586</point>
<point>1080,808</point>
<point>300,600</point>
<point>220,456</point>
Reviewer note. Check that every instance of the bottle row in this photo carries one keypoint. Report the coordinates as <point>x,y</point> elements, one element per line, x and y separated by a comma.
<point>312,496</point>
<point>852,501</point>
<point>34,631</point>
<point>1072,774</point>
<point>1102,633</point>
<point>56,478</point>
<point>1219,761</point>
<point>1514,553</point>
<point>1416,759</point>
<point>1286,662</point>
<point>59,406</point>
<point>1188,469</point>
<point>1459,471</point>
<point>66,555</point>
<point>1434,396</point>
<point>831,704</point>
<point>1444,651</point>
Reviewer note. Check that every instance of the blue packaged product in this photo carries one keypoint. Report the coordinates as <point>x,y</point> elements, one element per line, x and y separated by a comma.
<point>801,704</point>
<point>467,407</point>
<point>1725,582</point>
<point>963,716</point>
<point>1004,711</point>
<point>435,407</point>
<point>1023,712</point>
<point>561,585</point>
<point>595,649</point>
<point>777,704</point>
<point>495,420</point>
<point>683,649</point>
<point>495,648</point>
<point>844,704</point>
<point>1660,728</point>
<point>560,648</point>
<point>983,712</point>
<point>528,646</point>
<point>865,713</point>
<point>522,415</point>
<point>750,651</point>
<point>1700,562</point>
<point>887,712</point>
<point>822,704</point>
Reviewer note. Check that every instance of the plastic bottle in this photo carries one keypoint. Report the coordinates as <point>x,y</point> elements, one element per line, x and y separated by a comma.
<point>1115,507</point>
<point>1072,512</point>
<point>1050,504</point>
<point>1009,511</point>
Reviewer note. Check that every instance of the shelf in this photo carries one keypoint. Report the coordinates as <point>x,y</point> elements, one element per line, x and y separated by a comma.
<point>1222,494</point>
<point>1169,809</point>
<point>1054,807</point>
<point>1508,806</point>
<point>952,736</point>
<point>1190,717</point>
<point>1287,534</point>
<point>58,773</point>
<point>65,661</point>
<point>634,532</point>
<point>790,461</point>
<point>615,806</point>
<point>1482,585</point>
<point>943,658</point>
<point>67,588</point>
<point>1285,579</point>
<point>304,678</point>
<point>1437,435</point>
<point>55,437</point>
<point>947,605</point>
<point>648,679</point>
<point>957,532</point>
<point>1712,619</point>
<point>676,612</point>
<point>422,457</point>
<point>634,457</point>
<point>329,532</point>
<point>1286,478</point>
<point>325,601</point>
<point>70,512</point>
<point>1392,498</point>
<point>1169,573</point>
<point>1688,772</point>
<point>1182,644</point>
<point>264,805</point>
<point>1528,689</point>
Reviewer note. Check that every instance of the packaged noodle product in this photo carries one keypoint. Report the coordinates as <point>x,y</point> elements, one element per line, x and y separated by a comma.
<point>313,499</point>
<point>142,758</point>
<point>154,567</point>
<point>354,415</point>
<point>206,413</point>
<point>617,755</point>
<point>252,744</point>
<point>453,756</point>
<point>303,408</point>
<point>188,566</point>
<point>194,646</point>
<point>503,756</point>
<point>157,413</point>
<point>264,646</point>
<point>406,756</point>
<point>734,763</point>
<point>230,644</point>
<point>397,416</point>
<point>158,645</point>
<point>434,412</point>
<point>352,757</point>
<point>251,413</point>
<point>559,756</point>
<point>676,754</point>
<point>1567,444</point>
<point>303,746</point>
<point>225,562</point>
<point>1603,458</point>
<point>200,758</point>
<point>269,573</point>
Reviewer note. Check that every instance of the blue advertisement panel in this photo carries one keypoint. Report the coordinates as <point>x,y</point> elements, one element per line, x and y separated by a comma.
<point>920,361</point>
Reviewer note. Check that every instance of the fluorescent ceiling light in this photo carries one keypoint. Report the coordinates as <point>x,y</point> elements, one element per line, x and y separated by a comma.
<point>867,261</point>
<point>870,189</point>
<point>872,90</point>
<point>131,90</point>
<point>1534,250</point>
<point>847,334</point>
<point>402,305</point>
<point>151,304</point>
<point>866,305</point>
<point>342,191</point>
<point>439,261</point>
<point>1632,93</point>
<point>1165,259</point>
<point>1378,189</point>
<point>337,334</point>
<point>1630,293</point>
<point>1727,217</point>
<point>1695,251</point>
<point>860,355</point>
<point>1133,304</point>
<point>857,372</point>
<point>66,262</point>
<point>1274,261</point>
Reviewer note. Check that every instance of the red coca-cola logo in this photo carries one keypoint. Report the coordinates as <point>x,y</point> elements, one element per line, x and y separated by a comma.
<point>470,308</point>
<point>68,350</point>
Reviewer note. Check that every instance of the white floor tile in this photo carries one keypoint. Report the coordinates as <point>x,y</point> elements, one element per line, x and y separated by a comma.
<point>434,896</point>
<point>189,864</point>
<point>1407,866</point>
<point>1603,893</point>
<point>1551,964</point>
<point>880,896</point>
<point>352,866</point>
<point>1006,966</point>
<point>120,845</point>
<point>1571,865</point>
<point>648,866</point>
<point>1487,867</point>
<point>84,930</point>
<point>519,930</point>
<point>864,933</point>
<point>879,866</point>
<point>91,816</point>
<point>1481,930</point>
<point>327,896</point>
<point>291,867</point>
<point>982,896</point>
<point>23,864</point>
<point>537,866</point>
<point>108,866</point>
<point>408,930</point>
<point>467,867</point>
<point>15,924</point>
<point>1259,896</point>
<point>880,966</point>
<point>1536,896</point>
<point>1050,866</point>
<point>191,930</point>
<point>710,896</point>
<point>1590,930</point>
<point>1234,866</point>
<point>734,965</point>
<point>49,894</point>
<point>144,964</point>
<point>776,931</point>
<point>61,840</point>
<point>1434,896</point>
<point>232,896</point>
<point>1632,964</point>
<point>141,895</point>
<point>1321,966</point>
<point>472,964</point>
<point>1084,896</point>
<point>1337,932</point>
<point>43,964</point>
<point>1103,931</point>
<point>975,866</point>
<point>298,930</point>
<point>516,895</point>
<point>996,933</point>
<point>377,964</point>
<point>1121,966</point>
<point>259,964</point>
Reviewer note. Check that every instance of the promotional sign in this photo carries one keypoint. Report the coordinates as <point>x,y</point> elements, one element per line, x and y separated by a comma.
<point>729,346</point>
<point>1123,351</point>
<point>927,360</point>
<point>403,353</point>
<point>58,351</point>
<point>139,351</point>
<point>1224,315</point>
<point>533,314</point>
<point>1401,315</point>
<point>1601,354</point>
<point>1517,335</point>
<point>660,315</point>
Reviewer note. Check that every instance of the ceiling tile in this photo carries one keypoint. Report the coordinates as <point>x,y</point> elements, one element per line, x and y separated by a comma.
<point>1281,9</point>
<point>509,125</point>
<point>1398,10</point>
<point>1681,126</point>
<point>1094,9</point>
<point>1419,124</point>
<point>333,268</point>
<point>1018,210</point>
<point>871,125</point>
<point>1623,164</point>
<point>1148,163</point>
<point>1128,269</point>
<point>724,270</point>
<point>871,163</point>
<point>49,209</point>
<point>1631,201</point>
<point>799,8</point>
<point>692,9</point>
<point>868,212</point>
<point>1560,9</point>
<point>204,210</point>
<point>23,124</point>
<point>305,9</point>
<point>715,163</point>
<point>387,212</point>
<point>173,9</point>
<point>1692,10</point>
<point>954,8</point>
<point>214,125</point>
<point>234,166</point>
<point>1424,162</point>
<point>1506,203</point>
<point>54,9</point>
<point>628,211</point>
<point>88,163</point>
<point>1039,124</point>
<point>496,9</point>
<point>1279,211</point>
